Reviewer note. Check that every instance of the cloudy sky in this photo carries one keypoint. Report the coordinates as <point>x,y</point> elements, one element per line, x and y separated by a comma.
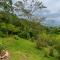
<point>53,9</point>
<point>52,5</point>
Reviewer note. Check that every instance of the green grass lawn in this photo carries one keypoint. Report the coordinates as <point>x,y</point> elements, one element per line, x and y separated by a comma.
<point>22,49</point>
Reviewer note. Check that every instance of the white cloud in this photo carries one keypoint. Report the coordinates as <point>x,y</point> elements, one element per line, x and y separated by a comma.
<point>52,5</point>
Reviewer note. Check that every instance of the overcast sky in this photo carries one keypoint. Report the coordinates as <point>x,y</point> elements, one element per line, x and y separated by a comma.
<point>52,5</point>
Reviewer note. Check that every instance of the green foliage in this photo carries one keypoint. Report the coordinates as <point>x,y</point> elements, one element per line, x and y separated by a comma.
<point>2,34</point>
<point>47,38</point>
<point>22,48</point>
<point>48,51</point>
<point>6,5</point>
<point>16,37</point>
<point>2,47</point>
<point>56,53</point>
<point>11,25</point>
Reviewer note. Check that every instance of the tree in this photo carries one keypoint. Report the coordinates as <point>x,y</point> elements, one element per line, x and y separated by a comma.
<point>28,7</point>
<point>6,5</point>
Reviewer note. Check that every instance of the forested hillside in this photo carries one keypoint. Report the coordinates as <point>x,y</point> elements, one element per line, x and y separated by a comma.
<point>10,24</point>
<point>26,38</point>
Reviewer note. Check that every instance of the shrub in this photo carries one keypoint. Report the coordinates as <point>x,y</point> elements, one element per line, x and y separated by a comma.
<point>41,41</point>
<point>57,47</point>
<point>16,37</point>
<point>48,51</point>
<point>2,47</point>
<point>56,53</point>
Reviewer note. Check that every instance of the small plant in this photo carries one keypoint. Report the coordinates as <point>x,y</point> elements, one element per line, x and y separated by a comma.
<point>2,49</point>
<point>4,55</point>
<point>16,37</point>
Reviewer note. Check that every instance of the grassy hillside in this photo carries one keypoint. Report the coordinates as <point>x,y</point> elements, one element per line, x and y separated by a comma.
<point>22,49</point>
<point>16,34</point>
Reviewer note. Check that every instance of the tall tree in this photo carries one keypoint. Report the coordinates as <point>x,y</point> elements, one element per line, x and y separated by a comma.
<point>28,7</point>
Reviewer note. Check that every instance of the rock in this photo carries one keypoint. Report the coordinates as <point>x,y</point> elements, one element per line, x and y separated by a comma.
<point>5,56</point>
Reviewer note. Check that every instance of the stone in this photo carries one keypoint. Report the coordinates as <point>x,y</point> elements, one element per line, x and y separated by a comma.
<point>5,56</point>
